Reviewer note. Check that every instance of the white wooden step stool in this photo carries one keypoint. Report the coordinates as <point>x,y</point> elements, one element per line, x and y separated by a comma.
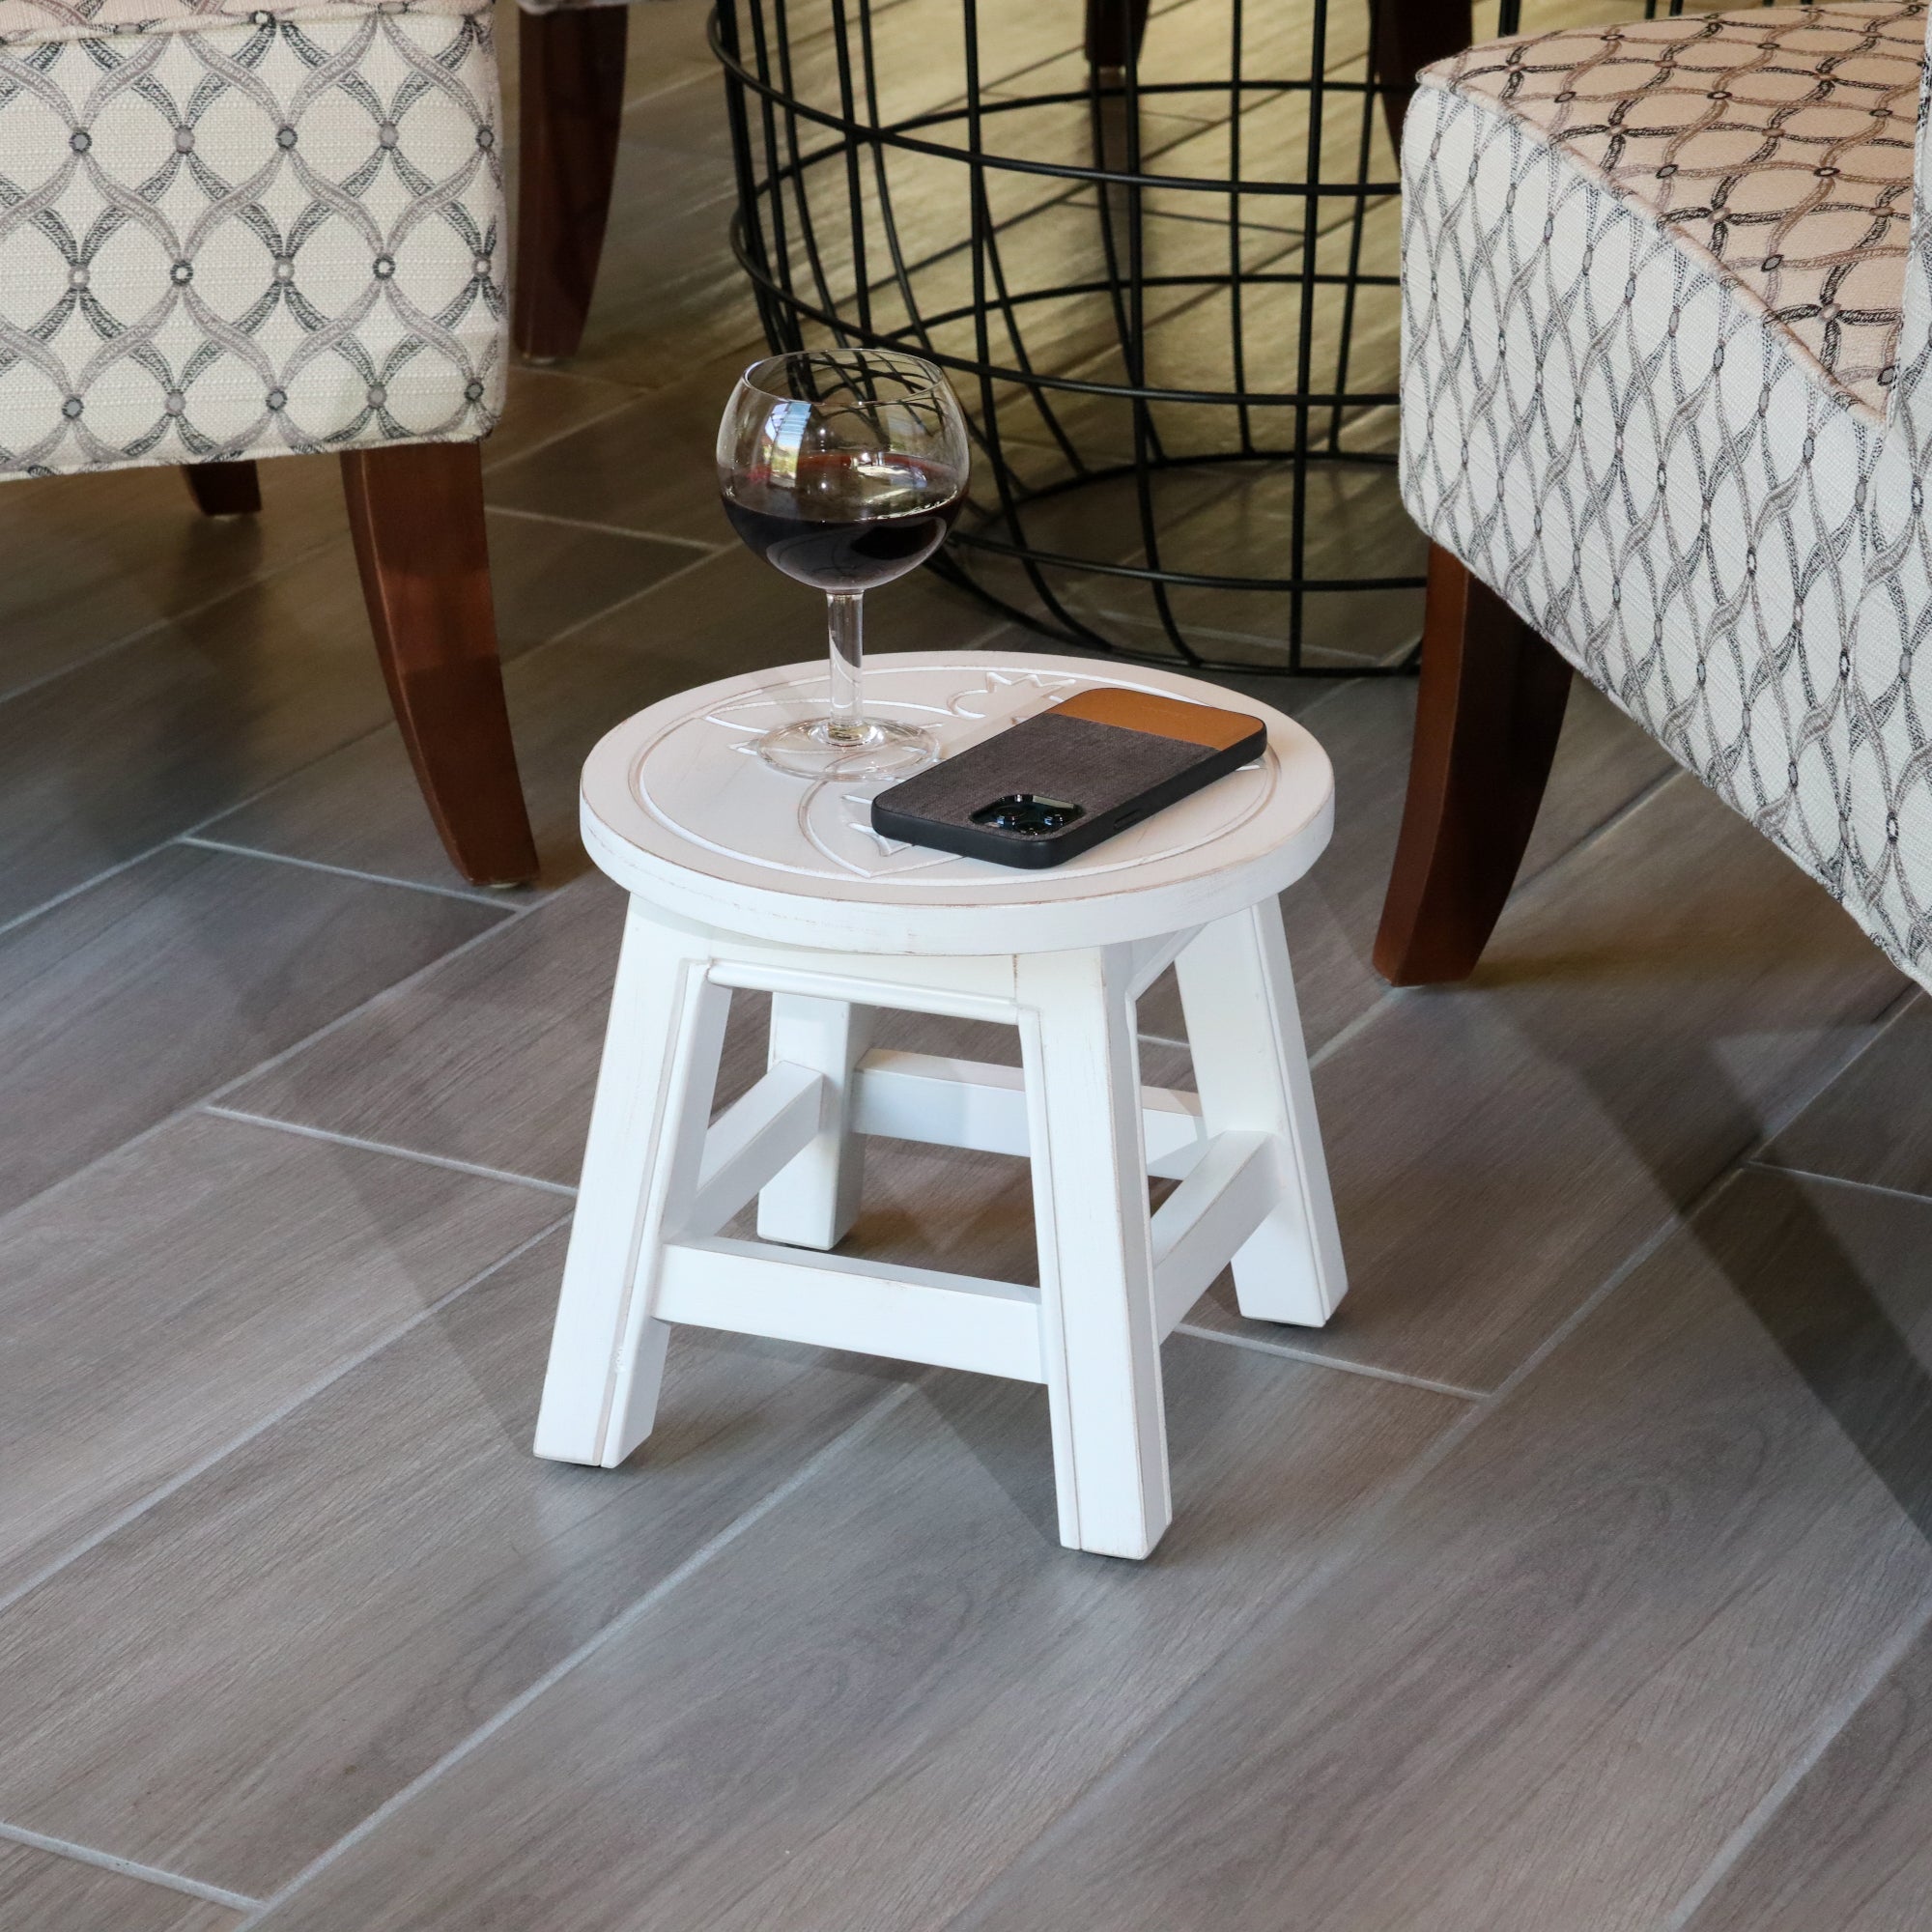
<point>741,877</point>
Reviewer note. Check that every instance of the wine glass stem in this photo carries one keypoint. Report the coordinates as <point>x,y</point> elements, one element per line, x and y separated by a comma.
<point>846,621</point>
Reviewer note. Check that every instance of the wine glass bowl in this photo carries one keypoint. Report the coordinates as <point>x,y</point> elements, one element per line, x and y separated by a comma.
<point>843,469</point>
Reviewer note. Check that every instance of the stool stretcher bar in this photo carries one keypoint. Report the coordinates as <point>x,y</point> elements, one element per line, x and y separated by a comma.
<point>871,1308</point>
<point>1200,1227</point>
<point>754,1138</point>
<point>976,1104</point>
<point>1230,1184</point>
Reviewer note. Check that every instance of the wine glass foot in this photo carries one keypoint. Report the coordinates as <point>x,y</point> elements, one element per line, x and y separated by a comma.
<point>819,748</point>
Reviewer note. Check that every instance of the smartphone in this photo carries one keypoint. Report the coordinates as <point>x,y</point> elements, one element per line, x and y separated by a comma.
<point>1058,784</point>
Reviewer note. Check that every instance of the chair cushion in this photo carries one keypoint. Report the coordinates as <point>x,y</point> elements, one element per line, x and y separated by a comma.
<point>1778,144</point>
<point>1649,437</point>
<point>261,236</point>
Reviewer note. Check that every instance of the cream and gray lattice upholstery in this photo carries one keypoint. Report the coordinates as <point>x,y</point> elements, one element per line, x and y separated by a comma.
<point>230,232</point>
<point>1668,294</point>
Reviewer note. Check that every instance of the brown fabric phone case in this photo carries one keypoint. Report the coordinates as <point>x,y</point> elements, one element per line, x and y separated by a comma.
<point>1059,784</point>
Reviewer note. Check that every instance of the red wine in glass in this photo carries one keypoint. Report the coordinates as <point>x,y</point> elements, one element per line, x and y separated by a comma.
<point>843,469</point>
<point>842,522</point>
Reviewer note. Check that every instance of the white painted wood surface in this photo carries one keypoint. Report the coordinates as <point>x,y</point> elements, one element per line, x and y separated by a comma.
<point>976,1104</point>
<point>803,913</point>
<point>815,1198</point>
<point>763,1133</point>
<point>1209,1216</point>
<point>1097,1332</point>
<point>872,1308</point>
<point>678,807</point>
<point>641,1176</point>
<point>1251,1067</point>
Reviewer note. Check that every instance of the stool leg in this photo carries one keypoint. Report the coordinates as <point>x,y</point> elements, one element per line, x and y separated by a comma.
<point>641,1165</point>
<point>1244,1030</point>
<point>1090,1195</point>
<point>812,1201</point>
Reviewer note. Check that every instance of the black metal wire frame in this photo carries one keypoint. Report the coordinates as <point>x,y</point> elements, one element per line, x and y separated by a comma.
<point>781,142</point>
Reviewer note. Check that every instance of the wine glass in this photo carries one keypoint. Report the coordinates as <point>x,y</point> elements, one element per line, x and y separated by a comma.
<point>843,467</point>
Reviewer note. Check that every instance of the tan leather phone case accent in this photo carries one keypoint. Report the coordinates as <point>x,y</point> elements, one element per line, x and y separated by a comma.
<point>1165,716</point>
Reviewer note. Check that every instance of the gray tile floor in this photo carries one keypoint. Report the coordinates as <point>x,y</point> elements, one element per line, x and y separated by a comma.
<point>1576,1579</point>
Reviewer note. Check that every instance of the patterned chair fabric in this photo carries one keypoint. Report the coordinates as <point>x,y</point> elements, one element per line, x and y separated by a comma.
<point>1668,322</point>
<point>229,232</point>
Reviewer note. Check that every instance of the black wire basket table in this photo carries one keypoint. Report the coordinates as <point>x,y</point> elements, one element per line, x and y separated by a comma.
<point>1157,260</point>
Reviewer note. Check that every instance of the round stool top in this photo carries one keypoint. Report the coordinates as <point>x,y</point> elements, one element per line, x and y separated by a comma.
<point>680,808</point>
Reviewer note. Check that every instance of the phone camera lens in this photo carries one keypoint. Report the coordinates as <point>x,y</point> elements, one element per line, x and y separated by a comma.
<point>1028,814</point>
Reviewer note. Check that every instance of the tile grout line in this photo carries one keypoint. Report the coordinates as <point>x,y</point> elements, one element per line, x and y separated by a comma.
<point>623,603</point>
<point>1881,1024</point>
<point>210,1102</point>
<point>342,1019</point>
<point>1353,665</point>
<point>469,894</point>
<point>252,582</point>
<point>206,1102</point>
<point>1765,1812</point>
<point>180,1481</point>
<point>1288,1352</point>
<point>1631,805</point>
<point>1344,681</point>
<point>192,833</point>
<point>74,891</point>
<point>447,1162</point>
<point>504,464</point>
<point>1624,813</point>
<point>456,1165</point>
<point>1746,1159</point>
<point>1399,1488</point>
<point>388,722</point>
<point>632,1613</point>
<point>607,529</point>
<point>1783,1118</point>
<point>1879,1188</point>
<point>1392,995</point>
<point>1389,996</point>
<point>257,578</point>
<point>112,1862</point>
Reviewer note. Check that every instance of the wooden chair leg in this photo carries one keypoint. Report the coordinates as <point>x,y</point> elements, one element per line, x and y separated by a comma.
<point>1410,33</point>
<point>416,514</point>
<point>1114,30</point>
<point>223,489</point>
<point>1486,726</point>
<point>571,73</point>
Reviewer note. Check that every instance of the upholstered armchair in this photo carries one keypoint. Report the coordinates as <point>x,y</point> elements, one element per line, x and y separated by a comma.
<point>1666,417</point>
<point>230,232</point>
